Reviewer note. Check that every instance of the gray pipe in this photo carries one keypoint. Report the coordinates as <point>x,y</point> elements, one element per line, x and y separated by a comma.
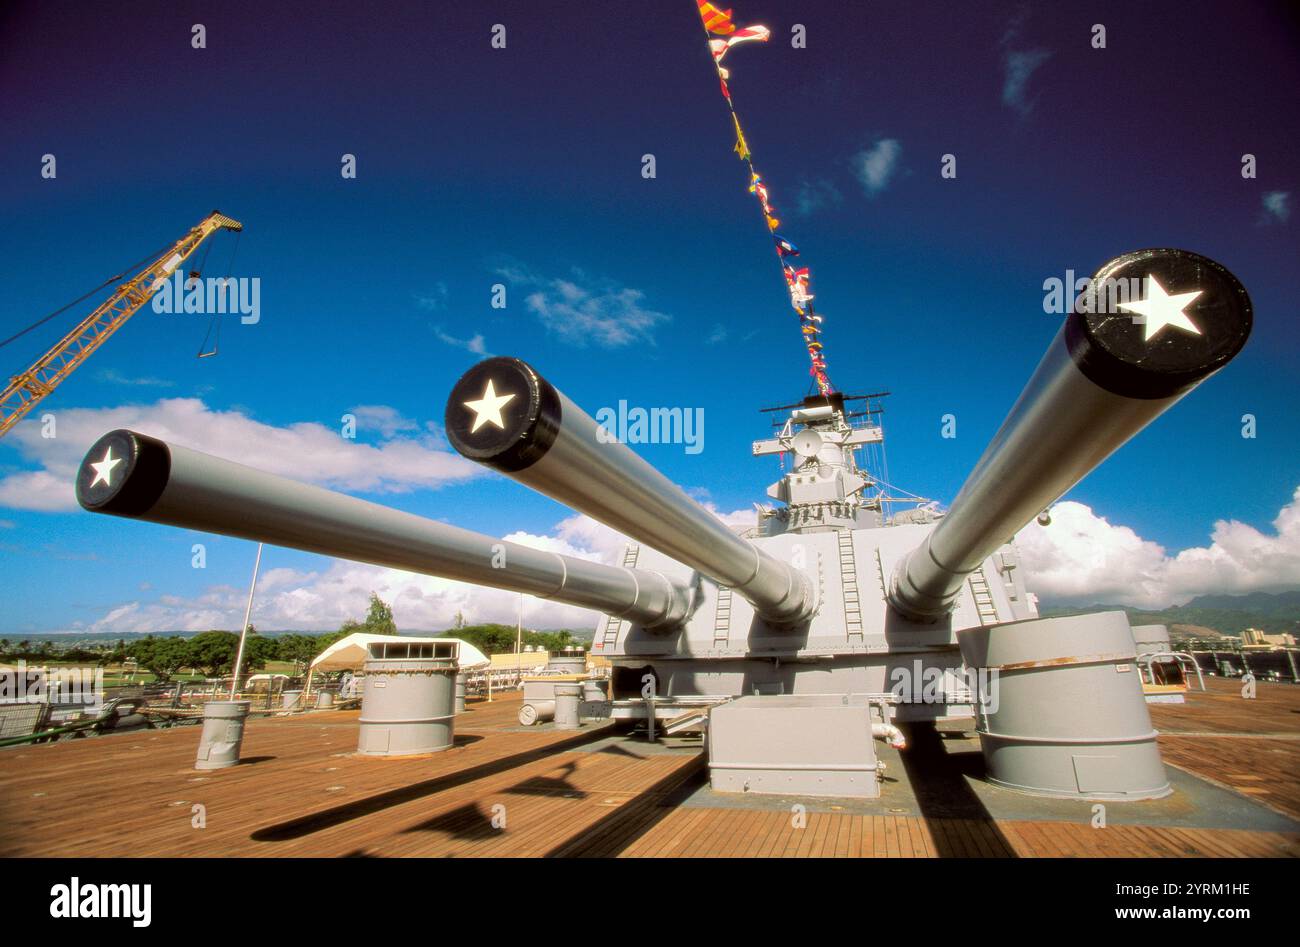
<point>1100,383</point>
<point>145,478</point>
<point>503,414</point>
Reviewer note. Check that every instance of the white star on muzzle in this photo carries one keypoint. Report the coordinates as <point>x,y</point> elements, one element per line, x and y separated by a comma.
<point>104,468</point>
<point>1161,309</point>
<point>487,410</point>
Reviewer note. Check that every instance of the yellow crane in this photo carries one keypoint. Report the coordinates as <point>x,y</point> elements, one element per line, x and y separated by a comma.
<point>26,390</point>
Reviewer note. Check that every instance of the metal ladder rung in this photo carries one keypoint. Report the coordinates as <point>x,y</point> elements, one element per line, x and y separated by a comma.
<point>722,616</point>
<point>614,625</point>
<point>849,585</point>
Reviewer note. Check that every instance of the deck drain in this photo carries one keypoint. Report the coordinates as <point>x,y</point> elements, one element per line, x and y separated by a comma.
<point>333,788</point>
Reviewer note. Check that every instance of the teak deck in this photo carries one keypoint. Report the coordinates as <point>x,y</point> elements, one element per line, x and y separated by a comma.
<point>509,791</point>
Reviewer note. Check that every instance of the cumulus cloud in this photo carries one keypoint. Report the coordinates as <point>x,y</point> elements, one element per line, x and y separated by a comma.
<point>877,165</point>
<point>323,600</point>
<point>1019,65</point>
<point>1083,558</point>
<point>305,450</point>
<point>585,311</point>
<point>1276,207</point>
<point>387,420</point>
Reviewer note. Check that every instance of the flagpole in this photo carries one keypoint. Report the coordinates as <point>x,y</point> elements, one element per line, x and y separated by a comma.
<point>243,634</point>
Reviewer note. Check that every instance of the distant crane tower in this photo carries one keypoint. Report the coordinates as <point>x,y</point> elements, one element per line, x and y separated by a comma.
<point>27,389</point>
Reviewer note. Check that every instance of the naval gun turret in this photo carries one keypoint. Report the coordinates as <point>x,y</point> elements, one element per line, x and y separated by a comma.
<point>832,607</point>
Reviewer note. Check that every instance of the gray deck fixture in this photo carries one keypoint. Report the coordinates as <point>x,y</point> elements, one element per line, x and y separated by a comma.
<point>568,701</point>
<point>1064,713</point>
<point>563,663</point>
<point>409,701</point>
<point>1151,639</point>
<point>223,733</point>
<point>796,745</point>
<point>462,686</point>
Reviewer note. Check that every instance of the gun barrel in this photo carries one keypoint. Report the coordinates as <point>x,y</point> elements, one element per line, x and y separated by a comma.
<point>133,475</point>
<point>1105,376</point>
<point>502,413</point>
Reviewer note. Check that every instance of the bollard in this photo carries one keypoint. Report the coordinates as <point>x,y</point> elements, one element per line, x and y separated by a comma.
<point>568,698</point>
<point>223,733</point>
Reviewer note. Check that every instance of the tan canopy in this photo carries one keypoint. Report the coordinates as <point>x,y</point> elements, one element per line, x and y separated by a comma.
<point>350,653</point>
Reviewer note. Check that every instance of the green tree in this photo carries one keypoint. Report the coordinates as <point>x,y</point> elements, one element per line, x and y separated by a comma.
<point>302,649</point>
<point>379,618</point>
<point>212,653</point>
<point>161,657</point>
<point>550,640</point>
<point>489,638</point>
<point>4,647</point>
<point>258,650</point>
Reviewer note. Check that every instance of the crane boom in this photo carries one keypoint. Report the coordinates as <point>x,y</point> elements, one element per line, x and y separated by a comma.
<point>28,388</point>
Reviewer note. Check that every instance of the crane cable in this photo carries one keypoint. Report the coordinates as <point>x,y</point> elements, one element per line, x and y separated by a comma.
<point>216,316</point>
<point>62,309</point>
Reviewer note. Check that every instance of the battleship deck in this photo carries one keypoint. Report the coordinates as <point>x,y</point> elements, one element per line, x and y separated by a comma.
<point>302,791</point>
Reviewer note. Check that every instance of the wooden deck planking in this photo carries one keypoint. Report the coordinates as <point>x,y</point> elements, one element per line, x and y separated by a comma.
<point>1266,769</point>
<point>1222,709</point>
<point>303,791</point>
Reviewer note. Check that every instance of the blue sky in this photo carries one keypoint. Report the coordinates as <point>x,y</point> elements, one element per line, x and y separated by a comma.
<point>474,162</point>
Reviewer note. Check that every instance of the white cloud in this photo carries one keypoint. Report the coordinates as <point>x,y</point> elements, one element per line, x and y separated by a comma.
<point>1082,558</point>
<point>305,450</point>
<point>475,343</point>
<point>584,311</point>
<point>382,418</point>
<point>1019,66</point>
<point>719,334</point>
<point>317,601</point>
<point>1276,207</point>
<point>876,166</point>
<point>813,195</point>
<point>115,377</point>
